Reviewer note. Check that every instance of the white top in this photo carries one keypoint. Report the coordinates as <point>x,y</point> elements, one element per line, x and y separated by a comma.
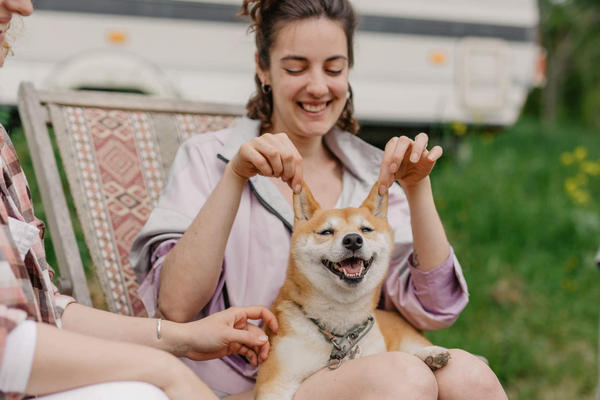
<point>20,344</point>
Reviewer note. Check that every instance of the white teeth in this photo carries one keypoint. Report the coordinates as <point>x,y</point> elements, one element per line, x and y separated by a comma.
<point>356,275</point>
<point>314,109</point>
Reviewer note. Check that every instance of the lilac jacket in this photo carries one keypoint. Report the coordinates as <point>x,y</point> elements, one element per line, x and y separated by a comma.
<point>256,255</point>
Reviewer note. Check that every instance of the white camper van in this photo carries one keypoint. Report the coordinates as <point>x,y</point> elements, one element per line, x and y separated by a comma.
<point>417,61</point>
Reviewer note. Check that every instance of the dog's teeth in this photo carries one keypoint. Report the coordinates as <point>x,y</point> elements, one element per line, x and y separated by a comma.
<point>346,273</point>
<point>361,270</point>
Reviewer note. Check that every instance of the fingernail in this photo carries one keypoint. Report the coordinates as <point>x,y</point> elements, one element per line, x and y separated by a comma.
<point>297,189</point>
<point>263,338</point>
<point>414,157</point>
<point>394,167</point>
<point>382,189</point>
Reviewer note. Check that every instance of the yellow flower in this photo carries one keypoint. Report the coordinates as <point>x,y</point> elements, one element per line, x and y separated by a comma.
<point>582,179</point>
<point>590,168</point>
<point>581,197</point>
<point>571,185</point>
<point>572,263</point>
<point>580,153</point>
<point>567,159</point>
<point>487,138</point>
<point>459,128</point>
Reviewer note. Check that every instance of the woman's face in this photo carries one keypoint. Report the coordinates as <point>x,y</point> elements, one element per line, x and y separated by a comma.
<point>7,9</point>
<point>308,77</point>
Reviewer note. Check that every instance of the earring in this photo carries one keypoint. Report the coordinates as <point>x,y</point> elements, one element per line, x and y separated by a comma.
<point>348,94</point>
<point>266,89</point>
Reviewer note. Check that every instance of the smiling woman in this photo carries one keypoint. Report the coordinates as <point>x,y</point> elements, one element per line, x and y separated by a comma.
<point>220,235</point>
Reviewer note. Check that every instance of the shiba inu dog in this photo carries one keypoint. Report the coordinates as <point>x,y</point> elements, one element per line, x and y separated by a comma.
<point>327,306</point>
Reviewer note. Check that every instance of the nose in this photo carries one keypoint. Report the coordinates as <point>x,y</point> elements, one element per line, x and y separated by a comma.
<point>21,7</point>
<point>317,86</point>
<point>353,241</point>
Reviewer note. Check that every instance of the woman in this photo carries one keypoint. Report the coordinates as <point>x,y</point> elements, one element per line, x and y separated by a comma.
<point>96,354</point>
<point>221,233</point>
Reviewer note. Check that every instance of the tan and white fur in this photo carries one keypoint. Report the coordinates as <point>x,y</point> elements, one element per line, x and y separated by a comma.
<point>327,281</point>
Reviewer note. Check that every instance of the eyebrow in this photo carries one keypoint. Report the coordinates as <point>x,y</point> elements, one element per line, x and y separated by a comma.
<point>299,58</point>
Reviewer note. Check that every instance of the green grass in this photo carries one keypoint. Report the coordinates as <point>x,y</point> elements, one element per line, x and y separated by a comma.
<point>527,252</point>
<point>526,249</point>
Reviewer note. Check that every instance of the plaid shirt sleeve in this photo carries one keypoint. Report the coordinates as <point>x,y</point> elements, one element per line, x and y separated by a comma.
<point>26,288</point>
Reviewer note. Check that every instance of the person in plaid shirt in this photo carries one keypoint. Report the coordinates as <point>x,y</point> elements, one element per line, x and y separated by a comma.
<point>51,345</point>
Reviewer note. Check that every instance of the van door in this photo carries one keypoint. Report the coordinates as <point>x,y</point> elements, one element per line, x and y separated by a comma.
<point>484,74</point>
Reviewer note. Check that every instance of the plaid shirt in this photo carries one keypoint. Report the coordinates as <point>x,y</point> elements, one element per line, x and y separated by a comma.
<point>26,289</point>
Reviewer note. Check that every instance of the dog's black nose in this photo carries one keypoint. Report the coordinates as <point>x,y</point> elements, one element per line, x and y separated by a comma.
<point>353,241</point>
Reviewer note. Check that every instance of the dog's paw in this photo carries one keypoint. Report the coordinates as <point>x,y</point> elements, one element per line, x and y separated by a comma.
<point>434,356</point>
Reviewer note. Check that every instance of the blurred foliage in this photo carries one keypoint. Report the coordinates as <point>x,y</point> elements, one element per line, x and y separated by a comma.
<point>570,33</point>
<point>520,208</point>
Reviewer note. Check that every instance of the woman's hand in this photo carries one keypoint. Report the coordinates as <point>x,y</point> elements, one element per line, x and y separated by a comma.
<point>407,161</point>
<point>270,155</point>
<point>229,332</point>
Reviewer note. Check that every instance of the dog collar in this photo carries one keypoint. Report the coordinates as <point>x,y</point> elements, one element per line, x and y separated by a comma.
<point>344,344</point>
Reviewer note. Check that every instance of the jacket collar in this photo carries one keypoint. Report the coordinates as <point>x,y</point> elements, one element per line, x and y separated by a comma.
<point>358,158</point>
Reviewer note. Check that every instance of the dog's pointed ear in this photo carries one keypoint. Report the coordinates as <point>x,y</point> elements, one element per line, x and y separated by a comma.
<point>376,203</point>
<point>305,205</point>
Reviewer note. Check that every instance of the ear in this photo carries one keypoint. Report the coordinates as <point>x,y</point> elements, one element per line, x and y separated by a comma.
<point>305,205</point>
<point>262,75</point>
<point>376,203</point>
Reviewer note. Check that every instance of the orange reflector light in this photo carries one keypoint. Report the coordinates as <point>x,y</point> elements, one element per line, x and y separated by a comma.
<point>438,58</point>
<point>117,37</point>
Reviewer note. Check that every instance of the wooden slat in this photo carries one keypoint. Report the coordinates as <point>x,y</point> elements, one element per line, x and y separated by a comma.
<point>33,118</point>
<point>125,101</point>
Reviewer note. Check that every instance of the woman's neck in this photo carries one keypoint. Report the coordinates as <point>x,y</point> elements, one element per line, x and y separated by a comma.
<point>312,149</point>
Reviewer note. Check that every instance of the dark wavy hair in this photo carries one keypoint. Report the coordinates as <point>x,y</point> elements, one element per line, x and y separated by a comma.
<point>268,17</point>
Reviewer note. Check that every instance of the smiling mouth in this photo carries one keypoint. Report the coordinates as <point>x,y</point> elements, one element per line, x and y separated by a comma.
<point>314,108</point>
<point>352,270</point>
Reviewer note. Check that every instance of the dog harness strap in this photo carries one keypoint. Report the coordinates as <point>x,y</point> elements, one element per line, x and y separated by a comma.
<point>344,344</point>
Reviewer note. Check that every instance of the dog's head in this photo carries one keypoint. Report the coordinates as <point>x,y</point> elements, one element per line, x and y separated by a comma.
<point>345,252</point>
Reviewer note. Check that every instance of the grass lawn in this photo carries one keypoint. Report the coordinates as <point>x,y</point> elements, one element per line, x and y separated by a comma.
<point>526,227</point>
<point>522,210</point>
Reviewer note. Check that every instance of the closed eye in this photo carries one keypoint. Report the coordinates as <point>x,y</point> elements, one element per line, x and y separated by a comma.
<point>326,232</point>
<point>366,229</point>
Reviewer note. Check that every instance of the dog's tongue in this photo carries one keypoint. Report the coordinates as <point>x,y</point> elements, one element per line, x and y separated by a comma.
<point>351,265</point>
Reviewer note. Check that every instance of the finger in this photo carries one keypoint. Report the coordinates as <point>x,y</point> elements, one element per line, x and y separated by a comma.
<point>267,148</point>
<point>298,179</point>
<point>256,330</point>
<point>259,161</point>
<point>404,144</point>
<point>419,146</point>
<point>249,339</point>
<point>250,354</point>
<point>259,312</point>
<point>435,154</point>
<point>386,177</point>
<point>264,352</point>
<point>286,152</point>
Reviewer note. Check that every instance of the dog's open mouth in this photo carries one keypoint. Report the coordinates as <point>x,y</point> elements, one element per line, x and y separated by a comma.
<point>351,269</point>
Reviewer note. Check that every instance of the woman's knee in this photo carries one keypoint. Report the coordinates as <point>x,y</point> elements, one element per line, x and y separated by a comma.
<point>397,372</point>
<point>466,376</point>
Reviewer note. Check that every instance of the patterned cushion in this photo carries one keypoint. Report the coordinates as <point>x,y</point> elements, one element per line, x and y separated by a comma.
<point>117,163</point>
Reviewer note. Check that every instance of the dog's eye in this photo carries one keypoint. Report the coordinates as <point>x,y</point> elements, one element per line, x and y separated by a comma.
<point>365,229</point>
<point>326,232</point>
